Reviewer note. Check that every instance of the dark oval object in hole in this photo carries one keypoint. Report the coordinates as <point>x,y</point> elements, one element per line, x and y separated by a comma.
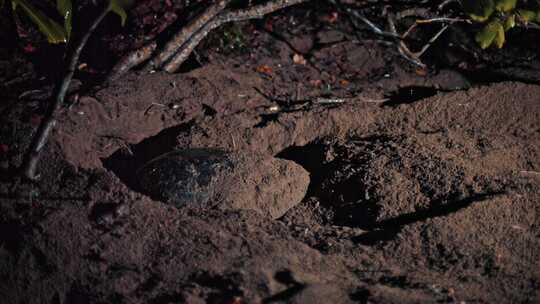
<point>185,176</point>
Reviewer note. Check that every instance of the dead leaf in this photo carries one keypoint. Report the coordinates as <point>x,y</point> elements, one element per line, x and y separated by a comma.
<point>269,26</point>
<point>331,18</point>
<point>235,300</point>
<point>421,72</point>
<point>29,49</point>
<point>299,59</point>
<point>315,82</point>
<point>4,148</point>
<point>518,227</point>
<point>265,69</point>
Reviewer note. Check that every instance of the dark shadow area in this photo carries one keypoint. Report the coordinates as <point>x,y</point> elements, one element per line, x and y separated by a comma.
<point>312,158</point>
<point>360,296</point>
<point>408,95</point>
<point>79,294</point>
<point>8,174</point>
<point>490,75</point>
<point>266,119</point>
<point>168,298</point>
<point>346,197</point>
<point>11,236</point>
<point>285,277</point>
<point>388,229</point>
<point>225,288</point>
<point>126,161</point>
<point>400,281</point>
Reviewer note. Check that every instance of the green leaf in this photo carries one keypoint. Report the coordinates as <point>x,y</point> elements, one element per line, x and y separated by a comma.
<point>505,5</point>
<point>117,7</point>
<point>2,2</point>
<point>500,37</point>
<point>510,22</point>
<point>489,34</point>
<point>526,15</point>
<point>65,9</point>
<point>479,10</point>
<point>50,28</point>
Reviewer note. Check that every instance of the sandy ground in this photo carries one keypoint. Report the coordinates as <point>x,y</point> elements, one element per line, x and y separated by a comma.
<point>337,197</point>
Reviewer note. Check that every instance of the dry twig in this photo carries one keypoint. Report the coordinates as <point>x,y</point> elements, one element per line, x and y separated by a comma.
<point>132,60</point>
<point>254,12</point>
<point>445,3</point>
<point>178,49</point>
<point>357,16</point>
<point>402,47</point>
<point>430,42</point>
<point>414,57</point>
<point>30,161</point>
<point>525,172</point>
<point>185,34</point>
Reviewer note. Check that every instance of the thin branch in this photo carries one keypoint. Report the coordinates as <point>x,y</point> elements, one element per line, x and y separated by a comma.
<point>409,30</point>
<point>372,26</point>
<point>430,42</point>
<point>184,35</point>
<point>433,20</point>
<point>442,19</point>
<point>445,3</point>
<point>254,12</point>
<point>132,60</point>
<point>258,11</point>
<point>402,47</point>
<point>174,64</point>
<point>31,159</point>
<point>418,11</point>
<point>529,25</point>
<point>530,172</point>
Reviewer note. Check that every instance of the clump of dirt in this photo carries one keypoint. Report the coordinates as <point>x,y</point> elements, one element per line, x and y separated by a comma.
<point>214,178</point>
<point>366,182</point>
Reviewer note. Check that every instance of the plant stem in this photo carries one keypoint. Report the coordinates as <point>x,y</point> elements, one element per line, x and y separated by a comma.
<point>31,159</point>
<point>178,49</point>
<point>132,60</point>
<point>257,11</point>
<point>185,35</point>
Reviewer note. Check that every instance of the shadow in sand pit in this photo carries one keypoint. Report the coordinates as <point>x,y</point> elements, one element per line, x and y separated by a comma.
<point>11,236</point>
<point>388,229</point>
<point>410,94</point>
<point>285,277</point>
<point>125,163</point>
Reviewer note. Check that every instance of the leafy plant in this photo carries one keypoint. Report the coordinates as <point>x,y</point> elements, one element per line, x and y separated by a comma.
<point>65,9</point>
<point>53,31</point>
<point>499,16</point>
<point>56,33</point>
<point>233,39</point>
